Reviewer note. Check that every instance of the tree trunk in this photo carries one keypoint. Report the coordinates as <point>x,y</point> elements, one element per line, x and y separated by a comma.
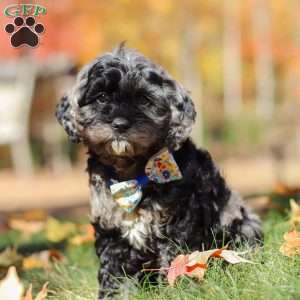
<point>264,72</point>
<point>232,59</point>
<point>191,78</point>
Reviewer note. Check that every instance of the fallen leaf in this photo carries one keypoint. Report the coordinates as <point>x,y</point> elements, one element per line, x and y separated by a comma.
<point>40,296</point>
<point>233,257</point>
<point>27,227</point>
<point>9,257</point>
<point>195,264</point>
<point>177,268</point>
<point>30,215</point>
<point>11,287</point>
<point>291,244</point>
<point>201,257</point>
<point>57,231</point>
<point>28,222</point>
<point>87,236</point>
<point>283,189</point>
<point>28,294</point>
<point>197,272</point>
<point>3,224</point>
<point>42,259</point>
<point>295,212</point>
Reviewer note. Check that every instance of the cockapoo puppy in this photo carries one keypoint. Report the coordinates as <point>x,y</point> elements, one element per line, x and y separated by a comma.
<point>152,190</point>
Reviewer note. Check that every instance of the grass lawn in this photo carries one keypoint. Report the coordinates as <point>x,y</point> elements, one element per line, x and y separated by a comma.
<point>274,276</point>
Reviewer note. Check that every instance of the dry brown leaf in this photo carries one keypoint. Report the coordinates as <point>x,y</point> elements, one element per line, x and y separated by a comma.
<point>284,190</point>
<point>295,212</point>
<point>291,244</point>
<point>28,294</point>
<point>233,257</point>
<point>30,215</point>
<point>87,236</point>
<point>27,227</point>
<point>11,287</point>
<point>195,264</point>
<point>9,257</point>
<point>198,257</point>
<point>177,268</point>
<point>28,222</point>
<point>42,259</point>
<point>40,296</point>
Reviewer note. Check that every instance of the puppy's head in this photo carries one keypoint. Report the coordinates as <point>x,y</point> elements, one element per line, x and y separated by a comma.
<point>123,105</point>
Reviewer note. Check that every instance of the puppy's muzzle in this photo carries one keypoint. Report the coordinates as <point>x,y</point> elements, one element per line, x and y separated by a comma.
<point>120,124</point>
<point>121,147</point>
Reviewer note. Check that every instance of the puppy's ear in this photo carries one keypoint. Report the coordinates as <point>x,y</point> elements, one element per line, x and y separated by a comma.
<point>183,116</point>
<point>154,77</point>
<point>67,109</point>
<point>66,118</point>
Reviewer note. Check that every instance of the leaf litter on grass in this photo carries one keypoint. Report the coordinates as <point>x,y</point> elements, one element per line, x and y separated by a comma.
<point>47,231</point>
<point>291,245</point>
<point>11,288</point>
<point>195,264</point>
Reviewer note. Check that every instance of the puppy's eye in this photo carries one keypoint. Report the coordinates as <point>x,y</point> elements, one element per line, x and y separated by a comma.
<point>101,98</point>
<point>145,102</point>
<point>160,111</point>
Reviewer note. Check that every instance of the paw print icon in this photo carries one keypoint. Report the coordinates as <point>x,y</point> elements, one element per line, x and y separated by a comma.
<point>24,32</point>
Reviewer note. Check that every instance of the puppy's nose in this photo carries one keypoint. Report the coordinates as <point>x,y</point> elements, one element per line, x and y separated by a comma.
<point>120,124</point>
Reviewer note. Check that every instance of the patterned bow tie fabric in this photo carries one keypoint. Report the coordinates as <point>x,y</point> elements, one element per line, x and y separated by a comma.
<point>161,168</point>
<point>127,194</point>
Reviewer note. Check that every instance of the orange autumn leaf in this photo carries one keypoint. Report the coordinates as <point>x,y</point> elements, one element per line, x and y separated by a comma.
<point>28,222</point>
<point>295,212</point>
<point>283,189</point>
<point>88,236</point>
<point>201,257</point>
<point>195,264</point>
<point>42,259</point>
<point>177,268</point>
<point>291,244</point>
<point>27,227</point>
<point>28,294</point>
<point>30,215</point>
<point>196,271</point>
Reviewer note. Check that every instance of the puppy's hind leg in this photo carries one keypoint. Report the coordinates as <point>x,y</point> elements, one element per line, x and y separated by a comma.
<point>240,223</point>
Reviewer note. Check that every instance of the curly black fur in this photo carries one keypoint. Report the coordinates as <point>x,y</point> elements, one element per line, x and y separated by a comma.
<point>125,109</point>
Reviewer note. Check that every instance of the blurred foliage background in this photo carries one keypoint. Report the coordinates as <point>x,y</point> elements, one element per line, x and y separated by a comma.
<point>239,59</point>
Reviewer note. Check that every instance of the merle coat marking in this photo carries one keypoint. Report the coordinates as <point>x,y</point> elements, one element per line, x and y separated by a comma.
<point>125,108</point>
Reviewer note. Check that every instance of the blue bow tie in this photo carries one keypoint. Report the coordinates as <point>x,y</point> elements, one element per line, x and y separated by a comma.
<point>160,168</point>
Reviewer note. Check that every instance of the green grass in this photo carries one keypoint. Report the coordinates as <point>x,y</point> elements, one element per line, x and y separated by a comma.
<point>274,276</point>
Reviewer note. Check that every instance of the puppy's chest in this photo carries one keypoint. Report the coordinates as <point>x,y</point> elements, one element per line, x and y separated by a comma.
<point>139,227</point>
